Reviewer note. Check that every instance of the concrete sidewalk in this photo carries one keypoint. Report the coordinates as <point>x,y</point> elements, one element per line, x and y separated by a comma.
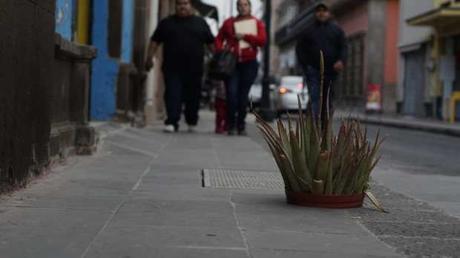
<point>142,195</point>
<point>406,122</point>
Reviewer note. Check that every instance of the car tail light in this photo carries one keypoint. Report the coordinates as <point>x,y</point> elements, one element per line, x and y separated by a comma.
<point>284,90</point>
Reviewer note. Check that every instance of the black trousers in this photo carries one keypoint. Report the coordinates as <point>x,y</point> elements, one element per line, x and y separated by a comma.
<point>182,88</point>
<point>313,79</point>
<point>238,86</point>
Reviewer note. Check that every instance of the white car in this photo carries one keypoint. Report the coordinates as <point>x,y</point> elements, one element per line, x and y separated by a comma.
<point>255,94</point>
<point>290,88</point>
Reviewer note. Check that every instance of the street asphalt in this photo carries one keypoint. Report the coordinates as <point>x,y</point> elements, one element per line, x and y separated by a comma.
<point>143,195</point>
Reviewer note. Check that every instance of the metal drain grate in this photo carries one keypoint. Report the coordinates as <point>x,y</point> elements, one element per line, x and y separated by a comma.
<point>241,179</point>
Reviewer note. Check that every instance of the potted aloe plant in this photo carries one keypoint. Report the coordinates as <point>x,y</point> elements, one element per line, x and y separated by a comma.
<point>320,168</point>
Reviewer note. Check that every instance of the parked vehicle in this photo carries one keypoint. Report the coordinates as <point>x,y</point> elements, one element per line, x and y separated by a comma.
<point>255,94</point>
<point>289,89</point>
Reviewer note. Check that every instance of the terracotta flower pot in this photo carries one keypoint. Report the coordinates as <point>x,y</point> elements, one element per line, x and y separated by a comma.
<point>325,201</point>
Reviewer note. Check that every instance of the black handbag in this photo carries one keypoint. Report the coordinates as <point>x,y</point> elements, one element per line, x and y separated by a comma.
<point>222,65</point>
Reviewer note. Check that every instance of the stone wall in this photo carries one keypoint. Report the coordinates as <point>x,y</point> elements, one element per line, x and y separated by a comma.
<point>70,99</point>
<point>44,81</point>
<point>26,72</point>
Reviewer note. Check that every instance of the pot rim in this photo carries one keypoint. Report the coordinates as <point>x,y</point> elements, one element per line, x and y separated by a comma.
<point>325,201</point>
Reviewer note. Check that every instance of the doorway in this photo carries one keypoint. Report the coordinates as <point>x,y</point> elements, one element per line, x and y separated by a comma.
<point>414,83</point>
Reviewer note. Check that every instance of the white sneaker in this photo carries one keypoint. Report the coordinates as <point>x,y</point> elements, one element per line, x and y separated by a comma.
<point>191,128</point>
<point>169,129</point>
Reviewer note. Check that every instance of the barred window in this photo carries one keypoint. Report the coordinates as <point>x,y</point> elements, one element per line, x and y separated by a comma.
<point>352,78</point>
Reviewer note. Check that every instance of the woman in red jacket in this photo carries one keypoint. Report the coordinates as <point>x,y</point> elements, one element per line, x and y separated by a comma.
<point>243,35</point>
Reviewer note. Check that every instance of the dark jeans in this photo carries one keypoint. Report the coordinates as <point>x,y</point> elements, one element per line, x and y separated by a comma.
<point>238,86</point>
<point>182,88</point>
<point>313,80</point>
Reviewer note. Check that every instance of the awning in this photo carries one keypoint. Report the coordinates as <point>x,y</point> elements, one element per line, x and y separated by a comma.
<point>206,10</point>
<point>289,33</point>
<point>441,17</point>
<point>306,18</point>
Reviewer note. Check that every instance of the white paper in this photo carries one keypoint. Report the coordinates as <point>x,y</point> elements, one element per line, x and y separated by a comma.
<point>246,27</point>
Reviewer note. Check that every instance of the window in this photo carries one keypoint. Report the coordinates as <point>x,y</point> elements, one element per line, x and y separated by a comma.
<point>351,79</point>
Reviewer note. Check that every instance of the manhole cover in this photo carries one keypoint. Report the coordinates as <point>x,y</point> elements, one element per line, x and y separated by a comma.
<point>241,179</point>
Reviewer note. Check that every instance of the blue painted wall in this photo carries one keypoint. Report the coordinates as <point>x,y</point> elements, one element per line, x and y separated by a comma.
<point>127,31</point>
<point>104,68</point>
<point>64,12</point>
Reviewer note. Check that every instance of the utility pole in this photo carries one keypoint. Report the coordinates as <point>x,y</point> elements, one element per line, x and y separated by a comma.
<point>266,110</point>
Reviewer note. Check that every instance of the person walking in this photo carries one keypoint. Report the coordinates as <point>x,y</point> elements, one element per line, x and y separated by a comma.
<point>184,37</point>
<point>327,37</point>
<point>243,35</point>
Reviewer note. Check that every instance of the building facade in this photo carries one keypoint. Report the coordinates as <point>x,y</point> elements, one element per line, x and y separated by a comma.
<point>372,32</point>
<point>414,95</point>
<point>57,74</point>
<point>111,27</point>
<point>440,81</point>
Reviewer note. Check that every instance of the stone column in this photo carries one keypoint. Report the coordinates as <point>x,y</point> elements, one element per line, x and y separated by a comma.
<point>376,43</point>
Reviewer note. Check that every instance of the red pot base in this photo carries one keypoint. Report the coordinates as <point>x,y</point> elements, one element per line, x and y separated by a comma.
<point>325,201</point>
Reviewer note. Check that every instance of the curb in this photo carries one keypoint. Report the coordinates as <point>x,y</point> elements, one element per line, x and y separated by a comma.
<point>105,129</point>
<point>412,125</point>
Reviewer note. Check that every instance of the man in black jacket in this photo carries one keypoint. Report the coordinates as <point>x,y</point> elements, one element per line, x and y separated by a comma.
<point>183,36</point>
<point>326,37</point>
